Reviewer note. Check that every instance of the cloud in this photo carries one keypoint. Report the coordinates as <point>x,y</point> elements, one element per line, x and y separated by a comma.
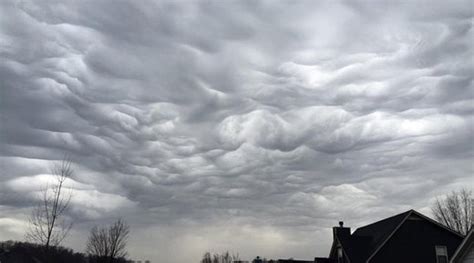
<point>12,227</point>
<point>86,202</point>
<point>258,121</point>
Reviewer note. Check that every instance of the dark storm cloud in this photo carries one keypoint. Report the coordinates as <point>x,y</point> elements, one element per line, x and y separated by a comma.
<point>253,120</point>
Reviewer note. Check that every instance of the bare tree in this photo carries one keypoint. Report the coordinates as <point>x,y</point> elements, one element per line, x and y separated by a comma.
<point>118,235</point>
<point>456,210</point>
<point>206,258</point>
<point>97,243</point>
<point>108,243</point>
<point>215,258</point>
<point>47,223</point>
<point>225,257</point>
<point>235,257</point>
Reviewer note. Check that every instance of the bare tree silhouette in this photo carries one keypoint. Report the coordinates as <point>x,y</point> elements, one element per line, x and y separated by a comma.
<point>47,225</point>
<point>108,243</point>
<point>225,257</point>
<point>456,210</point>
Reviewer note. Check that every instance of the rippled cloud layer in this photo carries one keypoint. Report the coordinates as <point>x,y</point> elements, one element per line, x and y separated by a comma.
<point>245,126</point>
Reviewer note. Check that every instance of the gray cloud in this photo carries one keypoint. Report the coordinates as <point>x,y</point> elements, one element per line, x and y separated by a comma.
<point>213,124</point>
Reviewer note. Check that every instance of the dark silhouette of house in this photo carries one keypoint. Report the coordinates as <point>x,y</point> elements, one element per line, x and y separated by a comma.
<point>465,251</point>
<point>409,237</point>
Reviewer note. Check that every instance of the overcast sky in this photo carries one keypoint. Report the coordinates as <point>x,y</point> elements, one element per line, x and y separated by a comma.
<point>248,126</point>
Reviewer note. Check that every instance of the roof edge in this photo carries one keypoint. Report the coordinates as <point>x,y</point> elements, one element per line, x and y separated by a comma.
<point>381,220</point>
<point>410,212</point>
<point>391,234</point>
<point>438,224</point>
<point>461,247</point>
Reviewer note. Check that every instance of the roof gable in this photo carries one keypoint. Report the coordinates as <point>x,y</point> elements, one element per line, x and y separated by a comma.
<point>381,230</point>
<point>409,215</point>
<point>437,224</point>
<point>366,241</point>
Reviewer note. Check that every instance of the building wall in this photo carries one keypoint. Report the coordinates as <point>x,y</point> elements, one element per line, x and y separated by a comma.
<point>469,256</point>
<point>415,242</point>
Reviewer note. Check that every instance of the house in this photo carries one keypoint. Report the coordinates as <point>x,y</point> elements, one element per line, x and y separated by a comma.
<point>409,237</point>
<point>465,251</point>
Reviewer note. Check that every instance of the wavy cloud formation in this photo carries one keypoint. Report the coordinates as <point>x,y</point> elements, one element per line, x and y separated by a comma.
<point>225,123</point>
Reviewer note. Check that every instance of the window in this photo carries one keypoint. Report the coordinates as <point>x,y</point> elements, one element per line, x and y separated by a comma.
<point>441,254</point>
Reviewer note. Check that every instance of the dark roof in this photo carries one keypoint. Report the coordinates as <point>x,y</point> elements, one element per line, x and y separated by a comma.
<point>356,247</point>
<point>366,241</point>
<point>379,231</point>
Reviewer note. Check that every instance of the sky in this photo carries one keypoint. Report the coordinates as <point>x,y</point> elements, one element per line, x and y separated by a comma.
<point>247,126</point>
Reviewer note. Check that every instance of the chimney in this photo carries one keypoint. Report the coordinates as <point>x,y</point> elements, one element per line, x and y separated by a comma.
<point>340,231</point>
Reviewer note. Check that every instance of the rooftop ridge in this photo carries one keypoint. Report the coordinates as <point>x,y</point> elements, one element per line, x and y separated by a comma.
<point>385,219</point>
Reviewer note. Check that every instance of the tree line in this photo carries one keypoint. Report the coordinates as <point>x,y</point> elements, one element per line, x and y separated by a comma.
<point>49,226</point>
<point>226,257</point>
<point>455,211</point>
<point>24,252</point>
